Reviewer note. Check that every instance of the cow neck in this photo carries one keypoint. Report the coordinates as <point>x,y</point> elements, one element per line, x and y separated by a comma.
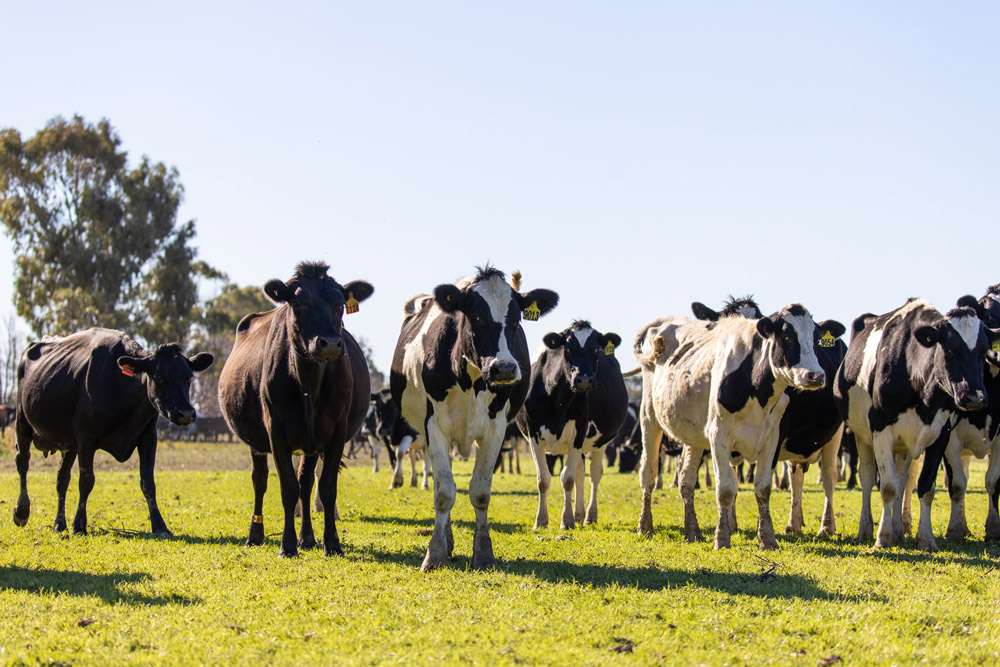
<point>920,368</point>
<point>765,382</point>
<point>306,372</point>
<point>464,348</point>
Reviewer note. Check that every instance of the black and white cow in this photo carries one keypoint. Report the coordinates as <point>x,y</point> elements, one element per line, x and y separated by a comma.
<point>811,426</point>
<point>905,375</point>
<point>400,439</point>
<point>721,386</point>
<point>459,375</point>
<point>297,382</point>
<point>977,434</point>
<point>576,404</point>
<point>509,449</point>
<point>98,389</point>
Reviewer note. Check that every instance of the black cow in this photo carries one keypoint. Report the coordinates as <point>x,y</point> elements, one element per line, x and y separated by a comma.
<point>400,439</point>
<point>811,426</point>
<point>297,381</point>
<point>7,413</point>
<point>576,404</point>
<point>905,375</point>
<point>459,376</point>
<point>98,389</point>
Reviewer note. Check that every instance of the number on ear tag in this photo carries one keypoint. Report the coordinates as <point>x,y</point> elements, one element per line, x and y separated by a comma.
<point>609,349</point>
<point>128,370</point>
<point>532,312</point>
<point>827,340</point>
<point>352,304</point>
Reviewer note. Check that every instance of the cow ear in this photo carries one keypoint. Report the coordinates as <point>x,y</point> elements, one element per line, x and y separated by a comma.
<point>359,289</point>
<point>200,362</point>
<point>277,291</point>
<point>612,338</point>
<point>544,299</point>
<point>703,312</point>
<point>374,397</point>
<point>926,336</point>
<point>968,301</point>
<point>859,323</point>
<point>134,365</point>
<point>835,328</point>
<point>765,327</point>
<point>553,341</point>
<point>449,298</point>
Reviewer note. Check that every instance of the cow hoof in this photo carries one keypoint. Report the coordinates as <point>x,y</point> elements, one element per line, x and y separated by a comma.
<point>483,562</point>
<point>413,483</point>
<point>288,553</point>
<point>541,524</point>
<point>954,534</point>
<point>992,529</point>
<point>767,543</point>
<point>432,562</point>
<point>60,525</point>
<point>927,543</point>
<point>568,526</point>
<point>591,518</point>
<point>793,529</point>
<point>162,532</point>
<point>336,551</point>
<point>693,535</point>
<point>308,542</point>
<point>645,525</point>
<point>885,541</point>
<point>828,531</point>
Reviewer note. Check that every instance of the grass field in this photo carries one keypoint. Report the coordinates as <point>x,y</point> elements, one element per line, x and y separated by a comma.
<point>595,595</point>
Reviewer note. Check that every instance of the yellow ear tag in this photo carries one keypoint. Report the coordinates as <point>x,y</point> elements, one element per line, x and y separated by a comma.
<point>532,312</point>
<point>352,304</point>
<point>995,346</point>
<point>827,340</point>
<point>609,349</point>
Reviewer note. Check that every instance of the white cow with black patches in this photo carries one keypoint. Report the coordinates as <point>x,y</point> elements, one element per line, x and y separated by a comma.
<point>576,404</point>
<point>458,376</point>
<point>721,386</point>
<point>906,376</point>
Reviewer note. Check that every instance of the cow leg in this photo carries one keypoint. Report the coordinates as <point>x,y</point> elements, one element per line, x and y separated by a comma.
<point>306,478</point>
<point>596,472</point>
<point>795,521</point>
<point>86,455</point>
<point>578,480</point>
<point>425,484</point>
<point>708,477</point>
<point>828,464</point>
<point>677,472</point>
<point>259,478</point>
<point>993,494</point>
<point>62,486</point>
<point>413,467</point>
<point>866,471</point>
<point>889,487</point>
<point>750,473</point>
<point>444,498</point>
<point>650,464</point>
<point>317,498</point>
<point>906,469</point>
<point>517,458</point>
<point>332,457</point>
<point>289,497</point>
<point>966,460</point>
<point>23,434</point>
<point>568,479</point>
<point>401,452</point>
<point>688,465</point>
<point>479,495</point>
<point>147,482</point>
<point>725,492</point>
<point>957,485</point>
<point>736,493</point>
<point>544,480</point>
<point>374,445</point>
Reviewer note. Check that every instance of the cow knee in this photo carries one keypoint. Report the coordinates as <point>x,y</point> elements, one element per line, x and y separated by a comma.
<point>480,501</point>
<point>444,500</point>
<point>543,485</point>
<point>726,497</point>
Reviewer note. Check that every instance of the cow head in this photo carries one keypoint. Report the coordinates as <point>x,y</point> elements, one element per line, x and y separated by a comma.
<point>744,306</point>
<point>988,310</point>
<point>959,342</point>
<point>385,413</point>
<point>167,374</point>
<point>791,338</point>
<point>489,313</point>
<point>581,351</point>
<point>316,309</point>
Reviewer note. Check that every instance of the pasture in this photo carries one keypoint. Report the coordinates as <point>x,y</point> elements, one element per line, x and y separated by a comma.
<point>596,595</point>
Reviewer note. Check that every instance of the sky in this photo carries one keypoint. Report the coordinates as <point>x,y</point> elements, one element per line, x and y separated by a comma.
<point>632,156</point>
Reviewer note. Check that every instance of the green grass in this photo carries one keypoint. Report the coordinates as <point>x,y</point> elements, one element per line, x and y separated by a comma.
<point>602,596</point>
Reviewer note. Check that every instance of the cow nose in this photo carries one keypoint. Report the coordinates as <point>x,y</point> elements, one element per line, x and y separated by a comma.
<point>503,372</point>
<point>185,417</point>
<point>815,379</point>
<point>328,348</point>
<point>583,382</point>
<point>973,401</point>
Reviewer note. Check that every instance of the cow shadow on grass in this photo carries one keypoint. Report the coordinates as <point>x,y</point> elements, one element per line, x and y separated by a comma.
<point>107,587</point>
<point>428,523</point>
<point>970,553</point>
<point>236,540</point>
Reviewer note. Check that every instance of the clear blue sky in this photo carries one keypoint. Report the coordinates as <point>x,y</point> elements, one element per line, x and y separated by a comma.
<point>632,156</point>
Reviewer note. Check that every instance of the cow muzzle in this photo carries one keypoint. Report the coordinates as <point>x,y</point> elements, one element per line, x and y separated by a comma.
<point>583,382</point>
<point>810,380</point>
<point>503,372</point>
<point>973,400</point>
<point>326,348</point>
<point>183,417</point>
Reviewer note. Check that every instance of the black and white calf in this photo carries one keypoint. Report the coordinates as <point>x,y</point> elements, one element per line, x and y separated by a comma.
<point>459,375</point>
<point>905,376</point>
<point>721,386</point>
<point>811,426</point>
<point>400,439</point>
<point>576,404</point>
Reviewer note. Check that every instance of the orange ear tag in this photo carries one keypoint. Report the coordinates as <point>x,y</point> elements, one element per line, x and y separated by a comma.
<point>352,304</point>
<point>128,370</point>
<point>532,312</point>
<point>609,349</point>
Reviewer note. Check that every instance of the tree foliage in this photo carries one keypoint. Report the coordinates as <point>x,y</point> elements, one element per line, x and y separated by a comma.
<point>96,243</point>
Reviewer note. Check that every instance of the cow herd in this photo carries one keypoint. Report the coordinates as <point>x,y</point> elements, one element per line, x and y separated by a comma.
<point>911,386</point>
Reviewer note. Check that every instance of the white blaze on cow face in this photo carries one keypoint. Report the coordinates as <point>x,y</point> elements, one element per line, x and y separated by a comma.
<point>582,335</point>
<point>967,327</point>
<point>807,373</point>
<point>498,296</point>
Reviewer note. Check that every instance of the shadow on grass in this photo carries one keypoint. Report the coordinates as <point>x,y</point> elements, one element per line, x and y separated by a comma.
<point>428,523</point>
<point>187,539</point>
<point>969,553</point>
<point>68,582</point>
